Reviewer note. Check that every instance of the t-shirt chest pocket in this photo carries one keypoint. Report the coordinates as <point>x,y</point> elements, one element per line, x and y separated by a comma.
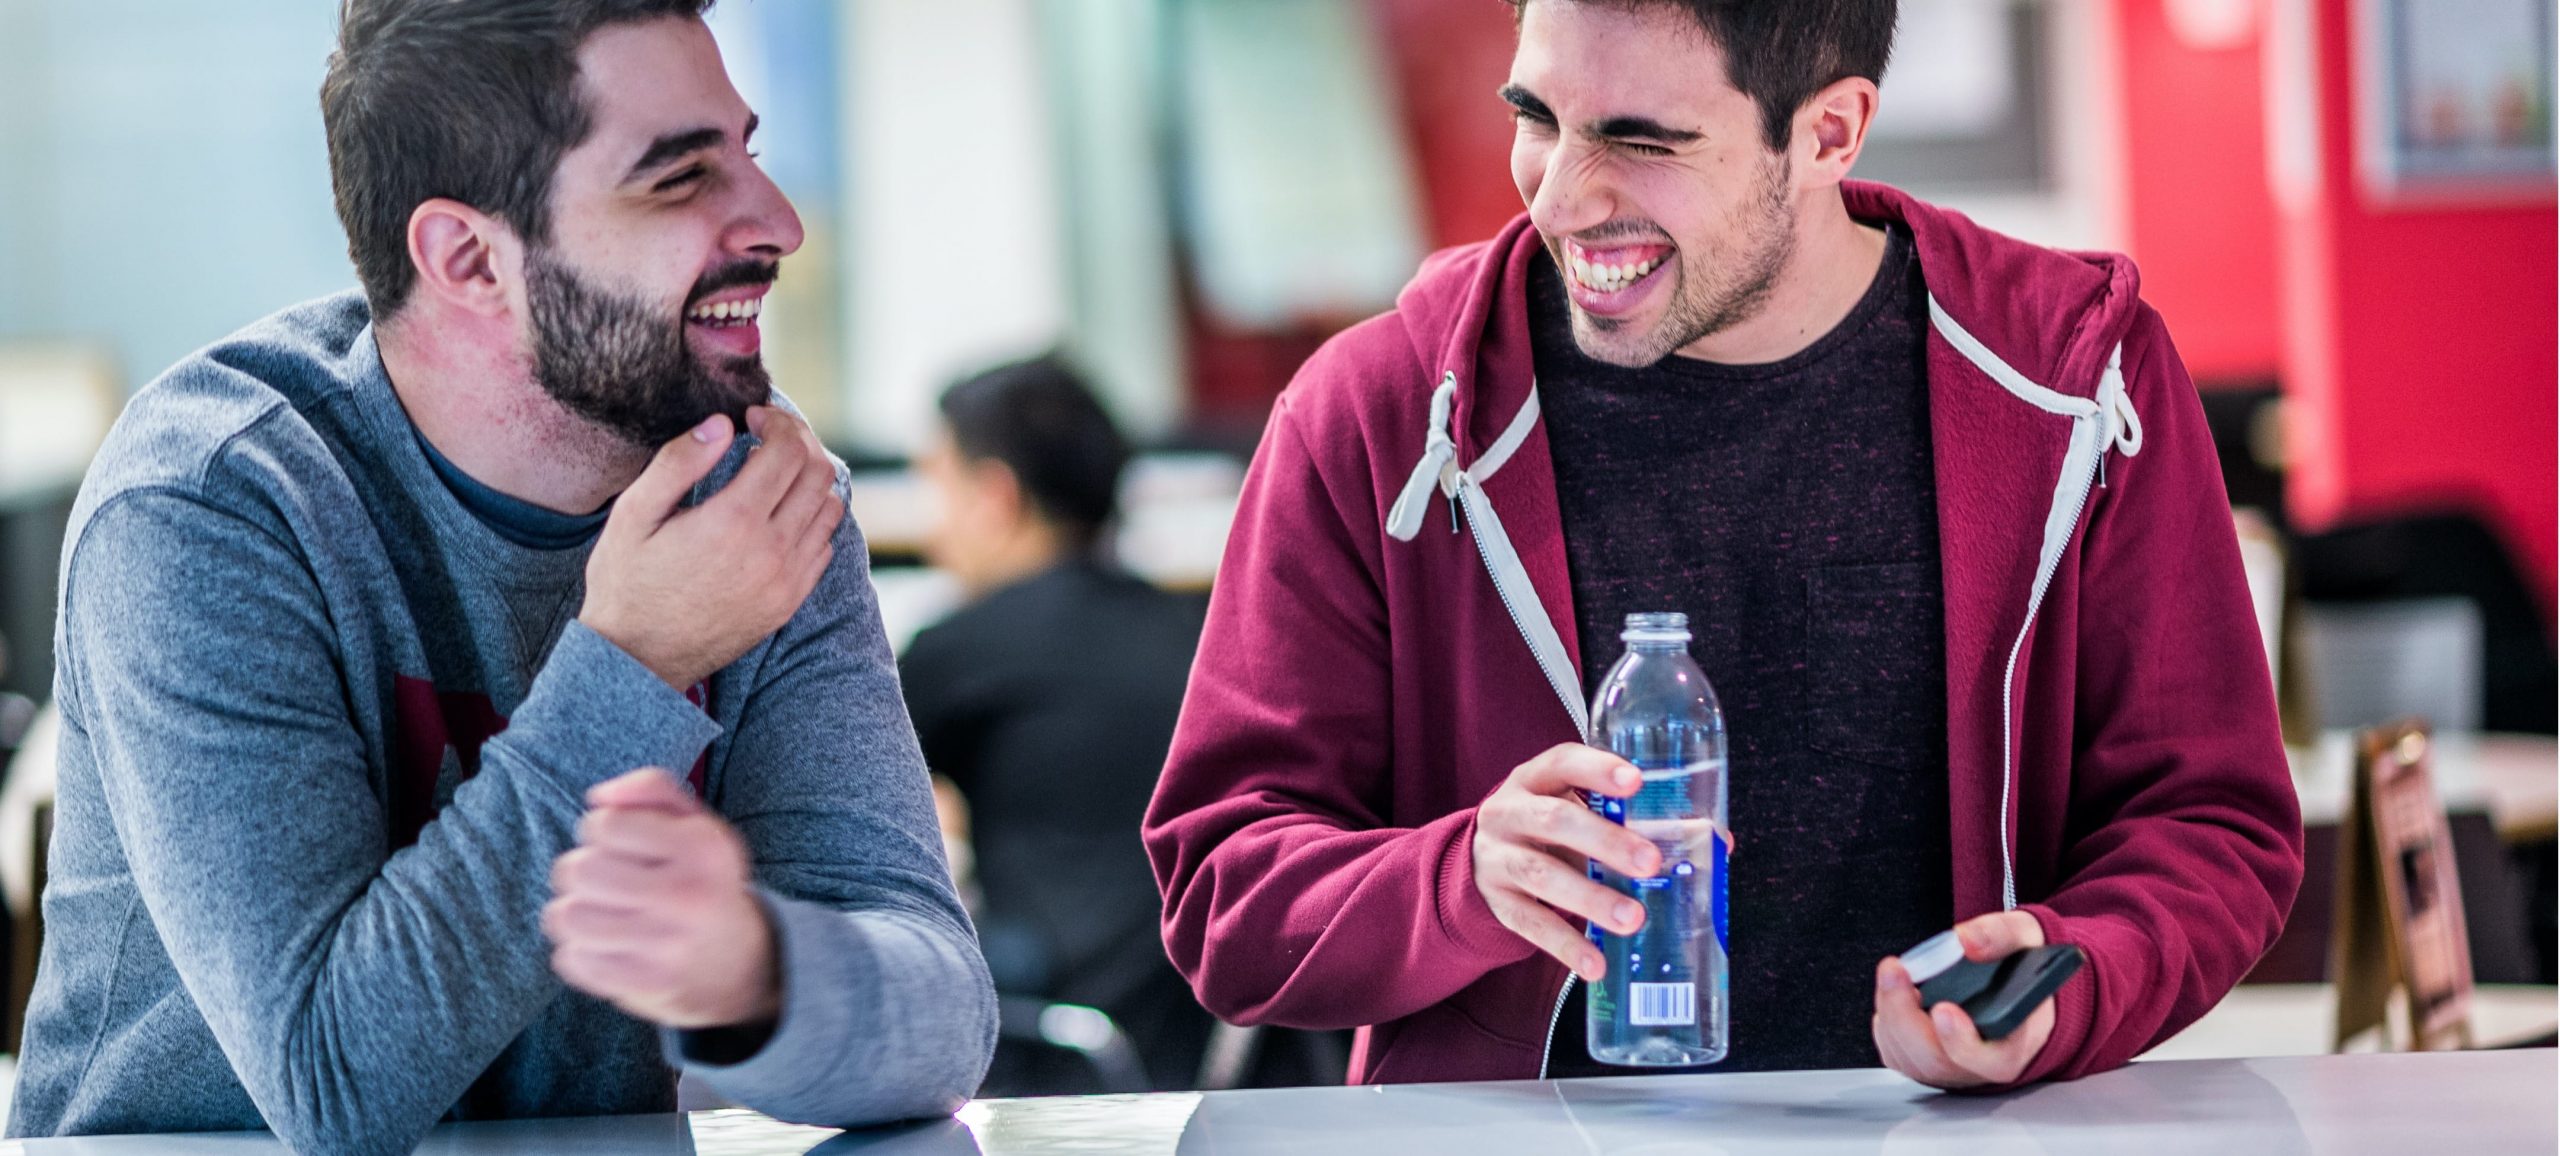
<point>1875,664</point>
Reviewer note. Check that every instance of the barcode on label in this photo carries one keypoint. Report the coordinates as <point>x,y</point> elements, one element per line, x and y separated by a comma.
<point>1660,1004</point>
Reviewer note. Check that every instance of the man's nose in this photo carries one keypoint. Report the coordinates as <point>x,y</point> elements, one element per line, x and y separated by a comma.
<point>769,227</point>
<point>1572,196</point>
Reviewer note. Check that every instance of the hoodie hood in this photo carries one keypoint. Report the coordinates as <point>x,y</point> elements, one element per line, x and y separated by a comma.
<point>2055,317</point>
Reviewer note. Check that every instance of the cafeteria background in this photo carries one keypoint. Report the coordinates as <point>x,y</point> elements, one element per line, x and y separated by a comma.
<point>2344,209</point>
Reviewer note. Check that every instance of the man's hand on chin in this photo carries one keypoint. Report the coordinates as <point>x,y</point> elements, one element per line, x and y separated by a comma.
<point>1939,1046</point>
<point>653,913</point>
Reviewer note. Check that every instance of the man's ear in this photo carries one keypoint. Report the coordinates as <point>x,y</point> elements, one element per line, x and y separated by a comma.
<point>997,485</point>
<point>462,255</point>
<point>1831,128</point>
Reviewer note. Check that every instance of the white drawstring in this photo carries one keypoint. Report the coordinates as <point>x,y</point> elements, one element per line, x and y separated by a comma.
<point>2121,426</point>
<point>1465,489</point>
<point>1438,467</point>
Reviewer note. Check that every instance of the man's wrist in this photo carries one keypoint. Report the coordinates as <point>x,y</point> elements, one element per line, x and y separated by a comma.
<point>760,1002</point>
<point>627,642</point>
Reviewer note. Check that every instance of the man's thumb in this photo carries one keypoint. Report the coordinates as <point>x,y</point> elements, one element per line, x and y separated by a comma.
<point>678,465</point>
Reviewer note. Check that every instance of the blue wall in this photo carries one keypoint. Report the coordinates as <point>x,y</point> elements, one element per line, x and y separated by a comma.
<point>163,178</point>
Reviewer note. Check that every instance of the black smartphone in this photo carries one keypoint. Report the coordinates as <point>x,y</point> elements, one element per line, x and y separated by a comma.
<point>1999,994</point>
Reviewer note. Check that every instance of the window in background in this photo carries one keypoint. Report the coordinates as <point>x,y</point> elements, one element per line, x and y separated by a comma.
<point>1110,116</point>
<point>1297,196</point>
<point>2459,96</point>
<point>781,55</point>
<point>953,246</point>
<point>1963,104</point>
<point>2004,110</point>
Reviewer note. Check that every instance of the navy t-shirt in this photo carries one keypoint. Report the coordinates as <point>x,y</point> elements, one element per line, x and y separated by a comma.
<point>1790,510</point>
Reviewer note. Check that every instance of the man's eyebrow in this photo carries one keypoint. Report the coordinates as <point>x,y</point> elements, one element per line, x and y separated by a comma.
<point>676,144</point>
<point>1645,129</point>
<point>1641,128</point>
<point>1520,98</point>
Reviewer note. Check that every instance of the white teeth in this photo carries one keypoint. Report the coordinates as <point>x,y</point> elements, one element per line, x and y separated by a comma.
<point>1609,278</point>
<point>728,310</point>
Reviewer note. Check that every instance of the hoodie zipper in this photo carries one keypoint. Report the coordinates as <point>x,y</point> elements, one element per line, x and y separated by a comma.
<point>2008,678</point>
<point>1547,1044</point>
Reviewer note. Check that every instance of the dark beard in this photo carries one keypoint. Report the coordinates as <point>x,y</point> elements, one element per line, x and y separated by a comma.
<point>622,363</point>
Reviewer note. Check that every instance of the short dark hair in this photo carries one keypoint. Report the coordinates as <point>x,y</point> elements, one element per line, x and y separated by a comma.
<point>1040,419</point>
<point>1781,52</point>
<point>476,100</point>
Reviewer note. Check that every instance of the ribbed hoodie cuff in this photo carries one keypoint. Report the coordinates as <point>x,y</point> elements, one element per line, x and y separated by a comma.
<point>1465,919</point>
<point>2075,1006</point>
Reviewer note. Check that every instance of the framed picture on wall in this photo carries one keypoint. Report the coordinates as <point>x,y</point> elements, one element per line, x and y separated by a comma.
<point>2457,98</point>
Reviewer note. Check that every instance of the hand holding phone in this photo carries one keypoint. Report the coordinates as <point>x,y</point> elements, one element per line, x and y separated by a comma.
<point>1999,994</point>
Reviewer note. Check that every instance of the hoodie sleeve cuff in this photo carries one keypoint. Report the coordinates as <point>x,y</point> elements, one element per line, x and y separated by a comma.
<point>1464,916</point>
<point>595,712</point>
<point>2075,1006</point>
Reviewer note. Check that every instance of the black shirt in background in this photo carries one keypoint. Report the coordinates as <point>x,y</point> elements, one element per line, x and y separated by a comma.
<point>1789,509</point>
<point>1050,704</point>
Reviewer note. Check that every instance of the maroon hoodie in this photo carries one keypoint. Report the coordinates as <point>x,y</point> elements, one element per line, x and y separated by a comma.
<point>1368,676</point>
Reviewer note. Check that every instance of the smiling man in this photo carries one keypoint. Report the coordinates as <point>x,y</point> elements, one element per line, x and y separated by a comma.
<point>474,703</point>
<point>1941,510</point>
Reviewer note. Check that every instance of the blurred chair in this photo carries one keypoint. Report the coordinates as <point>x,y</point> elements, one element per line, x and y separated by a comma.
<point>2372,662</point>
<point>2516,672</point>
<point>17,717</point>
<point>2401,954</point>
<point>1235,1052</point>
<point>26,831</point>
<point>1075,1030</point>
<point>2266,563</point>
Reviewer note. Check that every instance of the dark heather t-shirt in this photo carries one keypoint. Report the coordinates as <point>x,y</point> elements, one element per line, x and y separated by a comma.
<point>1790,510</point>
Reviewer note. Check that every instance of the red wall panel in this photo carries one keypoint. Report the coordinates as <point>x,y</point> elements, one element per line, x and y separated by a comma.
<point>2424,359</point>
<point>2197,215</point>
<point>1448,58</point>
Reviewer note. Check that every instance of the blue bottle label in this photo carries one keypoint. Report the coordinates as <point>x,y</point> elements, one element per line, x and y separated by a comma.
<point>1717,901</point>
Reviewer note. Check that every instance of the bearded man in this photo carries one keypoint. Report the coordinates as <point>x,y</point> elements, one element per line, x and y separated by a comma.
<point>474,702</point>
<point>1939,505</point>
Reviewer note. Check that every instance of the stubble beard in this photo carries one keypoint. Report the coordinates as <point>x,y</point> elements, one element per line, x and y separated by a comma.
<point>1711,295</point>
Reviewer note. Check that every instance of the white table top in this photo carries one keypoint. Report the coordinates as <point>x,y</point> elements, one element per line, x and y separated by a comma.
<point>2389,1105</point>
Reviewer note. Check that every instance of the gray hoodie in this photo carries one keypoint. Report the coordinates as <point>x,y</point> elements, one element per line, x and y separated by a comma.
<point>324,732</point>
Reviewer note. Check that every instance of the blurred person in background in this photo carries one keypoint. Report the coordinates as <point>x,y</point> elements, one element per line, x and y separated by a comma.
<point>474,705</point>
<point>1047,703</point>
<point>1945,518</point>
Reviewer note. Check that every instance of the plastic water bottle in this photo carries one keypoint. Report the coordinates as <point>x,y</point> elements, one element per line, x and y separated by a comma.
<point>1664,998</point>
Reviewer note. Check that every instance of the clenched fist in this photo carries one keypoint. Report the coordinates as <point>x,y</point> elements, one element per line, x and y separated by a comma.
<point>653,911</point>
